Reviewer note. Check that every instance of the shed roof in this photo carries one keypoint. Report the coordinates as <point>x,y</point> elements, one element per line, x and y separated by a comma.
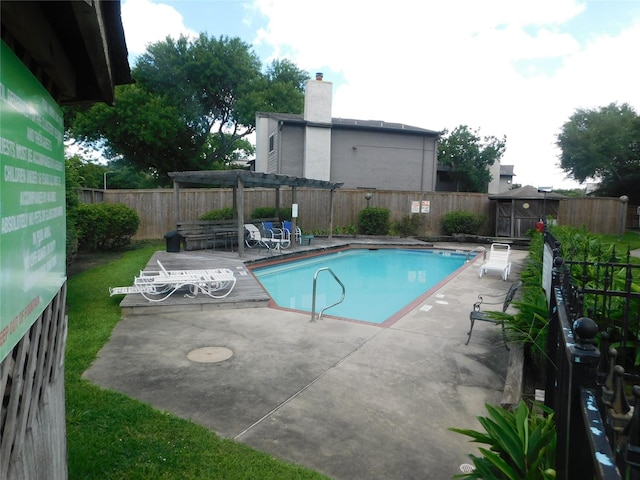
<point>527,192</point>
<point>230,178</point>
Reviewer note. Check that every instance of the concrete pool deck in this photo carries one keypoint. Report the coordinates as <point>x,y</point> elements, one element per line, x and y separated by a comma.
<point>350,400</point>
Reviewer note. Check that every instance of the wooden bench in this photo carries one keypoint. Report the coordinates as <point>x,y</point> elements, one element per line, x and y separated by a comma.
<point>202,234</point>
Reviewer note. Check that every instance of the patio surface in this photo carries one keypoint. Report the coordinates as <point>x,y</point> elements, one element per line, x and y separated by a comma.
<point>350,400</point>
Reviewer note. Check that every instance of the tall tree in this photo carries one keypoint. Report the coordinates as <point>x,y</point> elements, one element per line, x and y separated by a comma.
<point>469,157</point>
<point>603,145</point>
<point>192,108</point>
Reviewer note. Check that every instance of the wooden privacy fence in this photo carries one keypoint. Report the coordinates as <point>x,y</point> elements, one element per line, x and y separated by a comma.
<point>157,217</point>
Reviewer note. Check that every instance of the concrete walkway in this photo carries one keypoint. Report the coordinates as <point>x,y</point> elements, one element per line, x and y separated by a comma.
<point>350,400</point>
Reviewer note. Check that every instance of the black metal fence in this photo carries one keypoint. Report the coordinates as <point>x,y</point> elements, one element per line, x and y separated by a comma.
<point>590,297</point>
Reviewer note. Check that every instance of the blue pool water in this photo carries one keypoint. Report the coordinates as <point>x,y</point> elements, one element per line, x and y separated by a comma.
<point>378,283</point>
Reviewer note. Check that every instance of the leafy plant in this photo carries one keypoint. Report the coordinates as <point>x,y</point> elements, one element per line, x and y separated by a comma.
<point>408,226</point>
<point>374,221</point>
<point>219,214</point>
<point>462,222</point>
<point>522,444</point>
<point>105,225</point>
<point>270,212</point>
<point>348,230</point>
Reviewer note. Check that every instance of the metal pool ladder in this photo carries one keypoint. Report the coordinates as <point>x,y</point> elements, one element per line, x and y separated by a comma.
<point>313,299</point>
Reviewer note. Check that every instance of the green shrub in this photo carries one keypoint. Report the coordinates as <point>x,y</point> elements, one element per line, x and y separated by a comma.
<point>408,226</point>
<point>348,230</point>
<point>219,214</point>
<point>522,444</point>
<point>374,221</point>
<point>462,222</point>
<point>103,226</point>
<point>270,212</point>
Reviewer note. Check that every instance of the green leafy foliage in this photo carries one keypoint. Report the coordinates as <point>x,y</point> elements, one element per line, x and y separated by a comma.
<point>270,212</point>
<point>346,230</point>
<point>374,221</point>
<point>192,107</point>
<point>603,144</point>
<point>408,226</point>
<point>105,225</point>
<point>469,157</point>
<point>522,444</point>
<point>218,214</point>
<point>462,222</point>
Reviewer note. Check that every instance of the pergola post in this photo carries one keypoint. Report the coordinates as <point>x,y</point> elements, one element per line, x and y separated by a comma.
<point>239,195</point>
<point>176,202</point>
<point>331,214</point>
<point>294,220</point>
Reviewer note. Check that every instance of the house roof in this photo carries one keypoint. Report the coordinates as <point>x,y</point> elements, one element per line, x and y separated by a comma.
<point>348,123</point>
<point>76,49</point>
<point>230,178</point>
<point>527,192</point>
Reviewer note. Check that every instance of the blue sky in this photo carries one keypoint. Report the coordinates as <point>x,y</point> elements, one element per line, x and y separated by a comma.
<point>505,67</point>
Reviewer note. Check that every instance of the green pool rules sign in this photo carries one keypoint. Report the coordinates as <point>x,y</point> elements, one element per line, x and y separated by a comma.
<point>32,200</point>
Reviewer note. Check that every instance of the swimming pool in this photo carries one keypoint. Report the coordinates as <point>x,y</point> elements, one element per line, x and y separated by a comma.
<point>378,282</point>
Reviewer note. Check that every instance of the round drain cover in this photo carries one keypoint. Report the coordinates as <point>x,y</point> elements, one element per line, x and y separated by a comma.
<point>209,354</point>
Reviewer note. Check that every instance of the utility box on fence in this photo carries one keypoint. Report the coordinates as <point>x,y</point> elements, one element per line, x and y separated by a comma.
<point>174,239</point>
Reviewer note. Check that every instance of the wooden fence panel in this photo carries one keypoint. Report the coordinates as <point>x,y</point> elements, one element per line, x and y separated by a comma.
<point>597,214</point>
<point>157,216</point>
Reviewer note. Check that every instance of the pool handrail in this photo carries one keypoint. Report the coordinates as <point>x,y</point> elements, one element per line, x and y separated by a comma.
<point>313,298</point>
<point>479,249</point>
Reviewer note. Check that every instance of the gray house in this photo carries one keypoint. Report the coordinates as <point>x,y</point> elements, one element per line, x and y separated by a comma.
<point>360,153</point>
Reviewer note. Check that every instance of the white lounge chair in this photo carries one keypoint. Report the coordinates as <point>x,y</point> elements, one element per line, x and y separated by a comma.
<point>157,286</point>
<point>498,261</point>
<point>267,238</point>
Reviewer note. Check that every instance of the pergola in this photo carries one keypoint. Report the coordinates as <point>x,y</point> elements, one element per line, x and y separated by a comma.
<point>239,179</point>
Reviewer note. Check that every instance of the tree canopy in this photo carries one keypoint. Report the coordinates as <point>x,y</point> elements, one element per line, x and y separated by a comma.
<point>469,156</point>
<point>192,107</point>
<point>603,144</point>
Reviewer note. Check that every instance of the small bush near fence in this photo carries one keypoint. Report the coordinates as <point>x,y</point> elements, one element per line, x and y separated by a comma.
<point>374,221</point>
<point>220,214</point>
<point>270,212</point>
<point>462,222</point>
<point>105,225</point>
<point>408,226</point>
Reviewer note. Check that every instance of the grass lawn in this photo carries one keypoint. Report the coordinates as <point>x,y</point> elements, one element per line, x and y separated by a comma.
<point>630,239</point>
<point>111,436</point>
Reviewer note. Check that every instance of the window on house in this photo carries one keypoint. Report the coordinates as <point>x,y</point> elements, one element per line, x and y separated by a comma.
<point>271,143</point>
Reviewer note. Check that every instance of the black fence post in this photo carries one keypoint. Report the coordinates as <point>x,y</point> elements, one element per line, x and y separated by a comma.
<point>583,357</point>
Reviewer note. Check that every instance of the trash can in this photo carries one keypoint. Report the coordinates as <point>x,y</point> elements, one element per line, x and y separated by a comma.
<point>174,239</point>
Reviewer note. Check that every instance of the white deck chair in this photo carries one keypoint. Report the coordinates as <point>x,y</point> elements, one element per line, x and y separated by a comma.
<point>255,237</point>
<point>157,286</point>
<point>498,261</point>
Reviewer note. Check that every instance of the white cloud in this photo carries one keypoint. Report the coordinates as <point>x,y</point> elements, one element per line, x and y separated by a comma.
<point>441,64</point>
<point>146,22</point>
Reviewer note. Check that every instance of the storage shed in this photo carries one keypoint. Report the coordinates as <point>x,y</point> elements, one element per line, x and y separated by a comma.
<point>518,210</point>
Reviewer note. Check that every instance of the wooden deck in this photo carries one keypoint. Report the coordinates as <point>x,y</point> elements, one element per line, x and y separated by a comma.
<point>248,292</point>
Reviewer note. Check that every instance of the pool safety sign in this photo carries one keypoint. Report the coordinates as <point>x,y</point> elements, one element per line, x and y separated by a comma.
<point>32,200</point>
<point>421,206</point>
